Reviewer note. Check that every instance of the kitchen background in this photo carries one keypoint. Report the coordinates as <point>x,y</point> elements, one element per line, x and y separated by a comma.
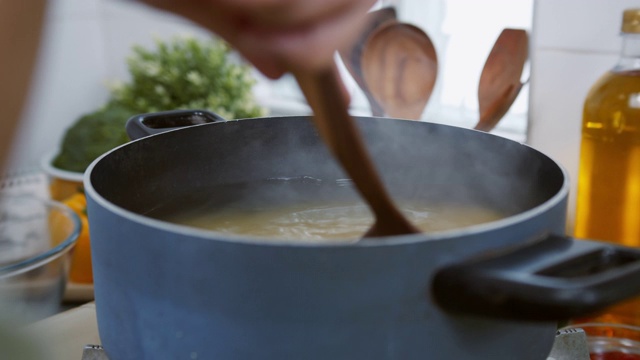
<point>572,43</point>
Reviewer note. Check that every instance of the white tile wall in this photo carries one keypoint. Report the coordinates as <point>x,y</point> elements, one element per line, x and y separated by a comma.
<point>580,25</point>
<point>62,10</point>
<point>125,24</point>
<point>67,78</point>
<point>84,46</point>
<point>573,43</point>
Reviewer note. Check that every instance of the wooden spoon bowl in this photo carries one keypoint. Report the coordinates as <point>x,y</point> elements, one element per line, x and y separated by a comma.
<point>400,66</point>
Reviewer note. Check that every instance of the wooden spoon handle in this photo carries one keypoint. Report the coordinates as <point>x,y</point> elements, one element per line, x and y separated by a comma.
<point>327,97</point>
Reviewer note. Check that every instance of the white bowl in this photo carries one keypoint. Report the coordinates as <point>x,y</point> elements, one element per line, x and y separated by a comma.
<point>49,169</point>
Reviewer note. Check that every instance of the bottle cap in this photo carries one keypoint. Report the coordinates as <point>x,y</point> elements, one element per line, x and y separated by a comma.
<point>631,21</point>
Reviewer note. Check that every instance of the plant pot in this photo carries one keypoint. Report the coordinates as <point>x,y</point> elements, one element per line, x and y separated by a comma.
<point>62,183</point>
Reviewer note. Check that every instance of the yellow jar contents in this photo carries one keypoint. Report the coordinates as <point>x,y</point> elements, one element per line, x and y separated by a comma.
<point>608,203</point>
<point>609,180</point>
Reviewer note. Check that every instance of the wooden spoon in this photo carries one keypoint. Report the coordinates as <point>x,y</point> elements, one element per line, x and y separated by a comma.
<point>400,66</point>
<point>326,96</point>
<point>500,79</point>
<point>352,56</point>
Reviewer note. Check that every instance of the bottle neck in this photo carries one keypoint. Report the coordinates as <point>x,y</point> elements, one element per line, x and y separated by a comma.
<point>630,54</point>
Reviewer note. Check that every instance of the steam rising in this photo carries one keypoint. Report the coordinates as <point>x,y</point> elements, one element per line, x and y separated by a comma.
<point>418,161</point>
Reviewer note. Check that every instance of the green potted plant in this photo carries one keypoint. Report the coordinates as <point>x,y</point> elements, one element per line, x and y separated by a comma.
<point>88,137</point>
<point>187,73</point>
<point>180,73</point>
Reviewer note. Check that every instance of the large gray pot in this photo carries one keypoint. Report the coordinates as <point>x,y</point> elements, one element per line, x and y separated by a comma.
<point>165,291</point>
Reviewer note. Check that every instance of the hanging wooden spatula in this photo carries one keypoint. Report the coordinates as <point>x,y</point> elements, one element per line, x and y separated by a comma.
<point>352,56</point>
<point>500,81</point>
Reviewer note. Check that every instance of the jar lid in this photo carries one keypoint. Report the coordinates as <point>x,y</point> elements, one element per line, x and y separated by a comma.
<point>631,21</point>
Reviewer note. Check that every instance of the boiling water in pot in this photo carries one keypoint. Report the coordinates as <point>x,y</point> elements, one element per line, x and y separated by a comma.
<point>328,220</point>
<point>306,209</point>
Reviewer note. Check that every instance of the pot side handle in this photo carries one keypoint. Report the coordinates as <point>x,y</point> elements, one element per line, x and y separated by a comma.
<point>143,125</point>
<point>553,278</point>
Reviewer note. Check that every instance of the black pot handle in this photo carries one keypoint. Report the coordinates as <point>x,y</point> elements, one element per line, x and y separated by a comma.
<point>143,125</point>
<point>553,278</point>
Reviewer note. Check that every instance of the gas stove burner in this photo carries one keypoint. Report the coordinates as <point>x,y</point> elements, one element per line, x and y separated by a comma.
<point>570,344</point>
<point>94,352</point>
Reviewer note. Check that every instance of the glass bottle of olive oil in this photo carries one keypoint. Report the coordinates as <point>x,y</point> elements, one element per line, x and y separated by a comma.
<point>608,202</point>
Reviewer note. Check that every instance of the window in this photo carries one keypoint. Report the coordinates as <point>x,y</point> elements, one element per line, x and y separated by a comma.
<point>463,32</point>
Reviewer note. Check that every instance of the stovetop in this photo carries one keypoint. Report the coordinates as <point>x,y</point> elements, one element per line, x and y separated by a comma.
<point>74,332</point>
<point>570,344</point>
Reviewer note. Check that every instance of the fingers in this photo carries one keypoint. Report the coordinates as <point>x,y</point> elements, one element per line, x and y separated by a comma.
<point>293,13</point>
<point>307,47</point>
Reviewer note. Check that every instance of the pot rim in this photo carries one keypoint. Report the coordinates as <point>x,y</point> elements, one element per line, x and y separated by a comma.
<point>184,230</point>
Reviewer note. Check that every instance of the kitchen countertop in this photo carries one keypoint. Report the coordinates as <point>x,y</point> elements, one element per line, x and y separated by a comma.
<point>63,336</point>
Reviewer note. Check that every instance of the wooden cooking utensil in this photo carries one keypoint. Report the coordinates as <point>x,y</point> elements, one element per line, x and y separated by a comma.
<point>500,79</point>
<point>326,96</point>
<point>400,67</point>
<point>352,56</point>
